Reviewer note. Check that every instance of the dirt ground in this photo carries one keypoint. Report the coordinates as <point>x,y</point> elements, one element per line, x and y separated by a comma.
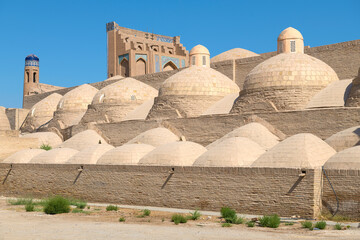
<point>97,223</point>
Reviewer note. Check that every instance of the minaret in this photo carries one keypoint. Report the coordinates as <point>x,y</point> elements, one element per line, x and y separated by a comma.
<point>31,75</point>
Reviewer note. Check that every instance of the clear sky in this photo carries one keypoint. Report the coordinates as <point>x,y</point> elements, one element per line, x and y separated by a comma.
<point>69,37</point>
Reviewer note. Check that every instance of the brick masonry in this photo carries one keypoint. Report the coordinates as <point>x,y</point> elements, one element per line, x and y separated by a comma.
<point>248,190</point>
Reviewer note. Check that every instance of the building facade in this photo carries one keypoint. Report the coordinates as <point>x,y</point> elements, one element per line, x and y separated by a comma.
<point>133,53</point>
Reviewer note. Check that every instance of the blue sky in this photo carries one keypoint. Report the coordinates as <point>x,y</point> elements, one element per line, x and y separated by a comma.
<point>69,37</point>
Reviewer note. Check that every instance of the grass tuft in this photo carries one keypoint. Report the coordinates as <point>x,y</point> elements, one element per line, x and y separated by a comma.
<point>194,215</point>
<point>146,212</point>
<point>272,221</point>
<point>338,226</point>
<point>111,208</point>
<point>289,223</point>
<point>226,225</point>
<point>178,218</point>
<point>57,205</point>
<point>29,207</point>
<point>45,147</point>
<point>250,224</point>
<point>121,219</point>
<point>320,225</point>
<point>307,224</point>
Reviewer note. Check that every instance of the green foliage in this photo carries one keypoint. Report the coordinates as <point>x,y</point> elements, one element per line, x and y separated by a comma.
<point>272,221</point>
<point>57,205</point>
<point>348,226</point>
<point>194,215</point>
<point>226,225</point>
<point>45,147</point>
<point>146,212</point>
<point>121,219</point>
<point>29,207</point>
<point>306,224</point>
<point>289,223</point>
<point>320,225</point>
<point>163,220</point>
<point>78,203</point>
<point>250,224</point>
<point>178,218</point>
<point>111,208</point>
<point>77,210</point>
<point>20,201</point>
<point>227,212</point>
<point>338,226</point>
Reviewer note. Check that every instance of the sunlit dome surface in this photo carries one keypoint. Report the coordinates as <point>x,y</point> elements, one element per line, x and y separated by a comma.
<point>345,139</point>
<point>346,159</point>
<point>23,156</point>
<point>77,99</point>
<point>45,138</point>
<point>155,137</point>
<point>83,140</point>
<point>54,156</point>
<point>235,53</point>
<point>90,155</point>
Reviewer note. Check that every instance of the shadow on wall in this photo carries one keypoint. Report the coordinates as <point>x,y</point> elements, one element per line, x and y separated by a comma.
<point>357,132</point>
<point>347,92</point>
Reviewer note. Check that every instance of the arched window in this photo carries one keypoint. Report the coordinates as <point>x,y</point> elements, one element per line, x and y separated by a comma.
<point>27,76</point>
<point>34,77</point>
<point>140,67</point>
<point>292,46</point>
<point>169,66</point>
<point>193,60</point>
<point>124,68</point>
<point>204,60</point>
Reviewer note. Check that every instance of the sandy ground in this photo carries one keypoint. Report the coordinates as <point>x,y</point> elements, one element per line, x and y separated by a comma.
<point>15,223</point>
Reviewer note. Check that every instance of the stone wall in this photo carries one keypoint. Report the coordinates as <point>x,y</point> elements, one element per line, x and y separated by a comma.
<point>11,144</point>
<point>248,190</point>
<point>343,57</point>
<point>16,117</point>
<point>346,185</point>
<point>206,129</point>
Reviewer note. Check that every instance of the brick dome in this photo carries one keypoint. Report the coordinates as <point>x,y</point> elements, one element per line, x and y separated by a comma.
<point>235,53</point>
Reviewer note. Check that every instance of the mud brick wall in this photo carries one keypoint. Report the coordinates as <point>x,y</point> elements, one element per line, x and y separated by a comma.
<point>248,190</point>
<point>346,184</point>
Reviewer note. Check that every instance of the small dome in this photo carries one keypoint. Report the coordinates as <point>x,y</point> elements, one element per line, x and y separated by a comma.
<point>83,140</point>
<point>253,131</point>
<point>46,138</point>
<point>299,151</point>
<point>232,152</point>
<point>199,49</point>
<point>334,95</point>
<point>198,81</point>
<point>346,159</point>
<point>31,57</point>
<point>232,54</point>
<point>174,154</point>
<point>155,137</point>
<point>77,99</point>
<point>4,121</point>
<point>23,156</point>
<point>125,91</point>
<point>128,154</point>
<point>42,112</point>
<point>290,33</point>
<point>345,139</point>
<point>54,156</point>
<point>90,155</point>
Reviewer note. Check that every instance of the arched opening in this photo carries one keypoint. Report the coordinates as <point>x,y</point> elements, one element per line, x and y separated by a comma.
<point>27,76</point>
<point>169,66</point>
<point>140,67</point>
<point>124,68</point>
<point>34,77</point>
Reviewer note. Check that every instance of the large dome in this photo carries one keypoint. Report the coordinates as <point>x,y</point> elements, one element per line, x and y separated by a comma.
<point>346,159</point>
<point>77,99</point>
<point>83,140</point>
<point>284,82</point>
<point>198,81</point>
<point>235,53</point>
<point>155,137</point>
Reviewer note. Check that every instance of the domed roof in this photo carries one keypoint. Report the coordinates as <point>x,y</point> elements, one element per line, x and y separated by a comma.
<point>32,57</point>
<point>253,131</point>
<point>289,70</point>
<point>128,154</point>
<point>235,53</point>
<point>198,80</point>
<point>199,49</point>
<point>232,152</point>
<point>23,156</point>
<point>345,139</point>
<point>77,99</point>
<point>334,95</point>
<point>155,137</point>
<point>90,155</point>
<point>290,33</point>
<point>46,138</point>
<point>346,159</point>
<point>83,140</point>
<point>174,154</point>
<point>4,121</point>
<point>127,90</point>
<point>54,156</point>
<point>116,77</point>
<point>303,150</point>
<point>43,111</point>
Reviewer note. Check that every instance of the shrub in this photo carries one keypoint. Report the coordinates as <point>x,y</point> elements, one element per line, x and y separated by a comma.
<point>250,224</point>
<point>338,226</point>
<point>226,225</point>
<point>272,221</point>
<point>146,212</point>
<point>348,226</point>
<point>45,147</point>
<point>178,218</point>
<point>306,224</point>
<point>320,225</point>
<point>111,208</point>
<point>57,205</point>
<point>194,215</point>
<point>121,219</point>
<point>228,213</point>
<point>29,207</point>
<point>78,203</point>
